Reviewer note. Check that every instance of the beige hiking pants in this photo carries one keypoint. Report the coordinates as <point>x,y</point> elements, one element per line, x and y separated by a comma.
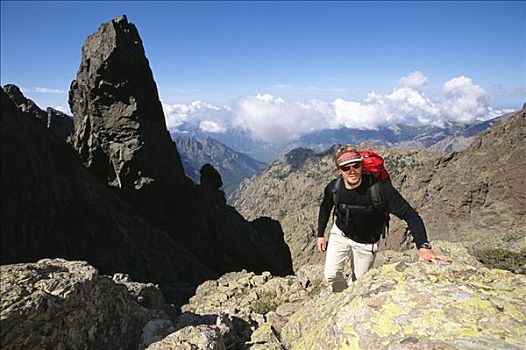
<point>339,249</point>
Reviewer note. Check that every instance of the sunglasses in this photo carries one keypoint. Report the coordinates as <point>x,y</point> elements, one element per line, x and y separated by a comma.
<point>352,165</point>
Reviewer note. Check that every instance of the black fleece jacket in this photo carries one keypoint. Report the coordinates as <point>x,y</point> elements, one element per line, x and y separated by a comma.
<point>365,224</point>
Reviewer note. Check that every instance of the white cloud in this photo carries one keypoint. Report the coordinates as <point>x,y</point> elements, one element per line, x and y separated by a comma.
<point>275,119</point>
<point>211,126</point>
<point>414,80</point>
<point>42,90</point>
<point>465,101</point>
<point>357,115</point>
<point>198,113</point>
<point>407,105</point>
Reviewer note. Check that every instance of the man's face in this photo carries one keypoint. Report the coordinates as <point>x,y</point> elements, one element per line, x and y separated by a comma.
<point>352,173</point>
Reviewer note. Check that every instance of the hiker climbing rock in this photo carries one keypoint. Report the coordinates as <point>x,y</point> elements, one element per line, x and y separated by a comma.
<point>362,201</point>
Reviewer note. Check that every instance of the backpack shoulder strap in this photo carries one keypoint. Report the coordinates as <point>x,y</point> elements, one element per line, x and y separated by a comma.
<point>336,191</point>
<point>375,195</point>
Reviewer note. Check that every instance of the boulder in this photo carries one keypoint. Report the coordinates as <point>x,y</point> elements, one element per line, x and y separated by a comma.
<point>210,177</point>
<point>60,304</point>
<point>418,305</point>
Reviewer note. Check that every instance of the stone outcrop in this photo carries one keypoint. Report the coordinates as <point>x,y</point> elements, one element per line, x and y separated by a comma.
<point>63,304</point>
<point>121,137</point>
<point>242,310</point>
<point>401,304</point>
<point>210,177</point>
<point>59,123</point>
<point>120,129</point>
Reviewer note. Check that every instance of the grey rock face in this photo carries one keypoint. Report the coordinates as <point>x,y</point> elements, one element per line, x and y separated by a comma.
<point>479,192</point>
<point>59,304</point>
<point>120,130</point>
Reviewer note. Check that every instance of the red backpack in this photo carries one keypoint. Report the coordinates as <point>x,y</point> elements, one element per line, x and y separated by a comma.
<point>374,164</point>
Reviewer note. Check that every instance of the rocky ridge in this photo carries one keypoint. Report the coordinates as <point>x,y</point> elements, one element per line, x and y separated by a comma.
<point>401,304</point>
<point>478,192</point>
<point>404,305</point>
<point>59,123</point>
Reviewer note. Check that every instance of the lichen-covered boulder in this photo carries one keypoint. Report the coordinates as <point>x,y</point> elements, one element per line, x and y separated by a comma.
<point>418,305</point>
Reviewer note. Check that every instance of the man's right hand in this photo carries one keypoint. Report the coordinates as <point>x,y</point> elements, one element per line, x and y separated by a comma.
<point>321,244</point>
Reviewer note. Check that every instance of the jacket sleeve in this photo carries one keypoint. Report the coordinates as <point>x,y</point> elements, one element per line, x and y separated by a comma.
<point>397,205</point>
<point>325,209</point>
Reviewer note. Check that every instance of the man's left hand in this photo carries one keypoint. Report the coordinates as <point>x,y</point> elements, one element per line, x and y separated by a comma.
<point>428,255</point>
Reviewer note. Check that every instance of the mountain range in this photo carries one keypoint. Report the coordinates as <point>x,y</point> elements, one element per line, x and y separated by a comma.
<point>448,138</point>
<point>234,152</point>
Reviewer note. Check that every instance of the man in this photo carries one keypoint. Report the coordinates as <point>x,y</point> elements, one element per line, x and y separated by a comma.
<point>359,223</point>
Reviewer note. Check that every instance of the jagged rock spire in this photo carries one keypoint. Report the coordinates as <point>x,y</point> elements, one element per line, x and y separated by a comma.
<point>120,129</point>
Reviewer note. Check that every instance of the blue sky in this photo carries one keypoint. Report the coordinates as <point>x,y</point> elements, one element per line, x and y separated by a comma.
<point>280,57</point>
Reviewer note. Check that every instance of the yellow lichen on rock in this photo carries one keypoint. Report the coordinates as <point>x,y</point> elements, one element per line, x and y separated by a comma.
<point>416,306</point>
